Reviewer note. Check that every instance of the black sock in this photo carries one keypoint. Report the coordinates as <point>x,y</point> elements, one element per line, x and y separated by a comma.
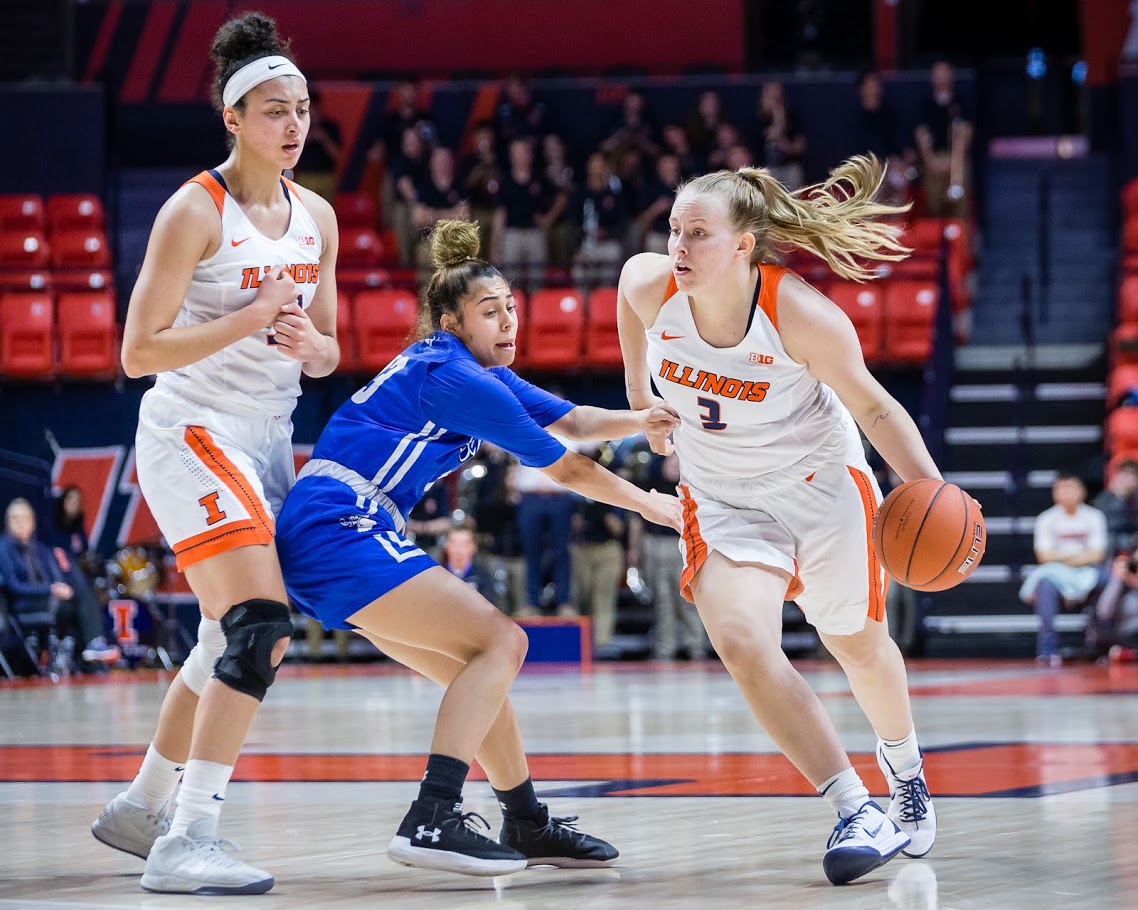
<point>444,778</point>
<point>521,802</point>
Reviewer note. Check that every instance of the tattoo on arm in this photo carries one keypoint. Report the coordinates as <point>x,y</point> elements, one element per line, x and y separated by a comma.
<point>880,417</point>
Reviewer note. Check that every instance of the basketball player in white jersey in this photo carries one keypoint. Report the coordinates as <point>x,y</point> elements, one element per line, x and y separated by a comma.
<point>768,378</point>
<point>236,297</point>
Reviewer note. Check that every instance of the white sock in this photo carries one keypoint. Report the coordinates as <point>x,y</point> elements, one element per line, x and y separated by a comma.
<point>156,780</point>
<point>902,754</point>
<point>845,792</point>
<point>202,794</point>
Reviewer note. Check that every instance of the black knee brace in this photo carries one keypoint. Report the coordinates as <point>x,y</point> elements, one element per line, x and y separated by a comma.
<point>252,629</point>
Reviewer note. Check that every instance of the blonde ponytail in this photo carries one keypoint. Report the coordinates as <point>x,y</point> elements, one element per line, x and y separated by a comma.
<point>836,220</point>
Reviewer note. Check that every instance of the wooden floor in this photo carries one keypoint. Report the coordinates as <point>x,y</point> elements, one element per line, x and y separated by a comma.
<point>1035,772</point>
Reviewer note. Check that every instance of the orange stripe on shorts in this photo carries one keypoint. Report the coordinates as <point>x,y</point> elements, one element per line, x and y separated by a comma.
<point>877,587</point>
<point>695,548</point>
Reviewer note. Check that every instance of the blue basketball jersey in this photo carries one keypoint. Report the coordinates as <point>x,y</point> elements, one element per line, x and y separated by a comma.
<point>429,411</point>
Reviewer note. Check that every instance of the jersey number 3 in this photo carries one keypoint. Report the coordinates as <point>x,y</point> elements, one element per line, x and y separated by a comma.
<point>710,417</point>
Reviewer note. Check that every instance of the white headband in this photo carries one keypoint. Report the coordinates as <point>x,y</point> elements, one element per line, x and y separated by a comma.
<point>253,74</point>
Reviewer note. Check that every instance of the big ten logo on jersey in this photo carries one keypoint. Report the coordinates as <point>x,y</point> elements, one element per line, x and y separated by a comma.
<point>755,357</point>
<point>713,383</point>
<point>115,512</point>
<point>301,272</point>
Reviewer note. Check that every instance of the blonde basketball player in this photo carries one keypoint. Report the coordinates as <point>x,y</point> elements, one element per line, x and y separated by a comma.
<point>236,297</point>
<point>768,378</point>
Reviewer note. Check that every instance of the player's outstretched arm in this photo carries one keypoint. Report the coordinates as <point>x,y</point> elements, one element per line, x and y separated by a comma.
<point>186,231</point>
<point>588,424</point>
<point>583,475</point>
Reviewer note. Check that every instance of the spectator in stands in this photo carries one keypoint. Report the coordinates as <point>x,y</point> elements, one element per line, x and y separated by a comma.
<point>438,196</point>
<point>596,555</point>
<point>782,143</point>
<point>944,141</point>
<point>727,136</point>
<point>599,215</point>
<point>678,630</point>
<point>405,113</point>
<point>1119,503</point>
<point>1070,543</point>
<point>480,173</point>
<point>738,157</point>
<point>676,143</point>
<point>406,172</point>
<point>560,175</point>
<point>34,582</point>
<point>1112,620</point>
<point>70,532</point>
<point>527,207</point>
<point>319,162</point>
<point>460,558</point>
<point>518,115</point>
<point>431,519</point>
<point>879,131</point>
<point>633,129</point>
<point>545,517</point>
<point>496,517</point>
<point>658,197</point>
<point>703,122</point>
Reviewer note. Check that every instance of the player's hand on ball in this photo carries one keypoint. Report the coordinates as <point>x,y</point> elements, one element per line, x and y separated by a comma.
<point>295,334</point>
<point>665,510</point>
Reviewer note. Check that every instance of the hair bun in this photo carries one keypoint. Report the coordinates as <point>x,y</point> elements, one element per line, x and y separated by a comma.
<point>454,242</point>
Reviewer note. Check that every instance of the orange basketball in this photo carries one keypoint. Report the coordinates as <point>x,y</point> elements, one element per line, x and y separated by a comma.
<point>929,534</point>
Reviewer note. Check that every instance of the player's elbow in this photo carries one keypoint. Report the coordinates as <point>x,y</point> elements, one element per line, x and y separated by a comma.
<point>135,360</point>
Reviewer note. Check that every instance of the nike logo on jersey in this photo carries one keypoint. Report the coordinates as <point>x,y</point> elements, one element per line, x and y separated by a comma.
<point>238,242</point>
<point>704,381</point>
<point>664,336</point>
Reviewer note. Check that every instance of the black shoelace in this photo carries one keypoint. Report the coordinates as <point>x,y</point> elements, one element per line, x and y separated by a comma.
<point>465,824</point>
<point>562,827</point>
<point>914,800</point>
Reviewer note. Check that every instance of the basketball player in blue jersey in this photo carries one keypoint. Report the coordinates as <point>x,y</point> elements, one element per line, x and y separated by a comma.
<point>767,377</point>
<point>236,297</point>
<point>348,564</point>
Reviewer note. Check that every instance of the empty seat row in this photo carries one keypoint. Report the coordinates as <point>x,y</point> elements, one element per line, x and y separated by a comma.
<point>79,248</point>
<point>60,211</point>
<point>74,334</point>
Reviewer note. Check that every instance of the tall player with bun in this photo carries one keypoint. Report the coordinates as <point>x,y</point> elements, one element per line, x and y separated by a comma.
<point>767,376</point>
<point>348,564</point>
<point>235,299</point>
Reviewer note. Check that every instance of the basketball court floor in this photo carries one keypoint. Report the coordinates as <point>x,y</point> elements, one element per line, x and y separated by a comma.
<point>1035,773</point>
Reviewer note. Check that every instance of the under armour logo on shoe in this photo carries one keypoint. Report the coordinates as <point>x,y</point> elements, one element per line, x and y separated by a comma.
<point>433,834</point>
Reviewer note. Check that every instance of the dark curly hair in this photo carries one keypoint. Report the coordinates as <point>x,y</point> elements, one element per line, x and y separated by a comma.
<point>241,41</point>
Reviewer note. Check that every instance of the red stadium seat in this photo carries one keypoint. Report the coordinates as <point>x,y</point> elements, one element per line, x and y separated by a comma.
<point>1127,310</point>
<point>362,278</point>
<point>357,209</point>
<point>1121,381</point>
<point>910,313</point>
<point>1130,199</point>
<point>556,326</point>
<point>383,321</point>
<point>24,250</point>
<point>602,342</point>
<point>1123,346</point>
<point>1130,234</point>
<point>346,333</point>
<point>80,248</point>
<point>1122,429</point>
<point>75,212</point>
<point>359,246</point>
<point>521,350</point>
<point>26,280</point>
<point>88,334</point>
<point>81,279</point>
<point>27,337</point>
<point>862,303</point>
<point>22,212</point>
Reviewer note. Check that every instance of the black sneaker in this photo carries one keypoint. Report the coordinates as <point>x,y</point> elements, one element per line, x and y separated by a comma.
<point>438,835</point>
<point>551,841</point>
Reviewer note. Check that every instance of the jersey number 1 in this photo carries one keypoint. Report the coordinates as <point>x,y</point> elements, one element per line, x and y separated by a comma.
<point>710,417</point>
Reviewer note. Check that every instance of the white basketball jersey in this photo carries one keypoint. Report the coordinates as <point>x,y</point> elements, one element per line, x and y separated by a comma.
<point>749,413</point>
<point>250,375</point>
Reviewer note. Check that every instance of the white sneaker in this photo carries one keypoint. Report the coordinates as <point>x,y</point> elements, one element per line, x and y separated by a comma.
<point>130,828</point>
<point>861,843</point>
<point>197,862</point>
<point>910,805</point>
